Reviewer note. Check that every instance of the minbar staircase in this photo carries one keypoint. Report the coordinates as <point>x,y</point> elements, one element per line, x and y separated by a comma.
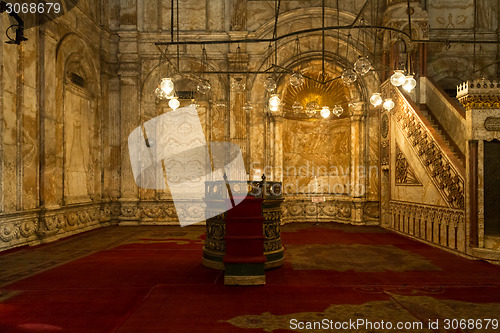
<point>424,108</point>
<point>446,115</point>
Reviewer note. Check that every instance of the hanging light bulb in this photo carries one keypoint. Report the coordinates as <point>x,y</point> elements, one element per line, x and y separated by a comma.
<point>167,85</point>
<point>362,66</point>
<point>376,99</point>
<point>174,103</point>
<point>349,76</point>
<point>398,78</point>
<point>203,87</point>
<point>270,84</point>
<point>388,104</point>
<point>338,110</point>
<point>325,112</point>
<point>297,107</point>
<point>296,80</point>
<point>311,108</point>
<point>410,83</point>
<point>274,101</point>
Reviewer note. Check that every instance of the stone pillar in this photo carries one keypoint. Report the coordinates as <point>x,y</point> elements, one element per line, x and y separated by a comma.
<point>111,127</point>
<point>358,166</point>
<point>238,61</point>
<point>130,118</point>
<point>278,149</point>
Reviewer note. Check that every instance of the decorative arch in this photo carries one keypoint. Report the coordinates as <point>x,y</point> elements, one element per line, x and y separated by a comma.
<point>335,63</point>
<point>77,102</point>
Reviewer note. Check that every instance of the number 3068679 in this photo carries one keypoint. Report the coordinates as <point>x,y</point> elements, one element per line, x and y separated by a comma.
<point>33,8</point>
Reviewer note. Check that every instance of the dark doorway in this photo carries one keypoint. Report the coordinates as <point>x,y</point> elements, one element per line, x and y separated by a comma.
<point>492,188</point>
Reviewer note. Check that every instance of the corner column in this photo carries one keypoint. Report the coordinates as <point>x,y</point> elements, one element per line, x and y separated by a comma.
<point>358,167</point>
<point>130,119</point>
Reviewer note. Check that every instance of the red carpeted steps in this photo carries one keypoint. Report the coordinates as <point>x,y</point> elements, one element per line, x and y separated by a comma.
<point>244,260</point>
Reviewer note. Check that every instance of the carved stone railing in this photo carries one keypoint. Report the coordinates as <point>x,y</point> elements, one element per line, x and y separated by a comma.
<point>41,226</point>
<point>445,170</point>
<point>438,225</point>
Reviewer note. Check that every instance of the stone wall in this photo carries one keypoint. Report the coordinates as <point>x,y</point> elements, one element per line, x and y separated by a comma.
<point>72,94</point>
<point>242,117</point>
<point>55,114</point>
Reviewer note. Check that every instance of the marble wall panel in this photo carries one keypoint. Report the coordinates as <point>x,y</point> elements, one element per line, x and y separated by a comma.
<point>215,10</point>
<point>151,12</point>
<point>188,19</point>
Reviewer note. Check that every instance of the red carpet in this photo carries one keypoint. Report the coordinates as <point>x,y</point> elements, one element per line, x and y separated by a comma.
<point>331,272</point>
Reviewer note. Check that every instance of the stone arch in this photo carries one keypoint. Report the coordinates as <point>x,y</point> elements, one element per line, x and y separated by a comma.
<point>444,71</point>
<point>151,107</point>
<point>360,90</point>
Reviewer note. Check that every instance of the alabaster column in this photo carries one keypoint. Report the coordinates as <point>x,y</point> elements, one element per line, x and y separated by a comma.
<point>358,167</point>
<point>278,148</point>
<point>51,144</point>
<point>129,120</point>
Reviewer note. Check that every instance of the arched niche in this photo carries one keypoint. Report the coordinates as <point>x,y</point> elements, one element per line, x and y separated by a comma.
<point>77,88</point>
<point>211,116</point>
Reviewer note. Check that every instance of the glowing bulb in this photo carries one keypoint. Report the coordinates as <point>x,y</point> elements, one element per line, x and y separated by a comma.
<point>376,99</point>
<point>410,83</point>
<point>274,101</point>
<point>297,107</point>
<point>388,104</point>
<point>296,79</point>
<point>349,76</point>
<point>362,66</point>
<point>338,110</point>
<point>174,103</point>
<point>311,108</point>
<point>398,78</point>
<point>325,112</point>
<point>167,85</point>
